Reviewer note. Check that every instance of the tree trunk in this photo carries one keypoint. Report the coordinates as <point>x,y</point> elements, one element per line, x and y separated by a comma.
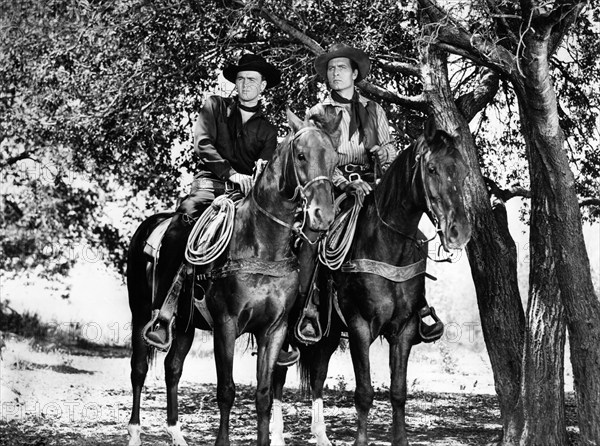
<point>560,278</point>
<point>491,251</point>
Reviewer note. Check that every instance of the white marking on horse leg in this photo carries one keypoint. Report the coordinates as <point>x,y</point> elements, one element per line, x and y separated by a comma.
<point>317,426</point>
<point>134,431</point>
<point>276,425</point>
<point>176,436</point>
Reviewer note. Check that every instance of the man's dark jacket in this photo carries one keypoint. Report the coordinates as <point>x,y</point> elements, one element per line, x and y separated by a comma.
<point>224,145</point>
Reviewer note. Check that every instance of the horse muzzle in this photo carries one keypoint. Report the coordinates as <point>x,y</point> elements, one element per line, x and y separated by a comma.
<point>320,217</point>
<point>455,233</point>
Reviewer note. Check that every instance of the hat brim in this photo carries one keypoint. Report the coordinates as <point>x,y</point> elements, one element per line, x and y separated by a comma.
<point>358,56</point>
<point>271,74</point>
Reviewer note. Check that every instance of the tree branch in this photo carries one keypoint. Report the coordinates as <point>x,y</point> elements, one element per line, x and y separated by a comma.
<point>589,202</point>
<point>473,102</point>
<point>412,102</point>
<point>399,68</point>
<point>563,17</point>
<point>503,28</point>
<point>506,194</point>
<point>15,159</point>
<point>518,191</point>
<point>311,44</point>
<point>415,103</point>
<point>453,38</point>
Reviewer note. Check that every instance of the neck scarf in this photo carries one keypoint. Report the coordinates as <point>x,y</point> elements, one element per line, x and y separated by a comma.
<point>235,120</point>
<point>359,116</point>
<point>249,109</point>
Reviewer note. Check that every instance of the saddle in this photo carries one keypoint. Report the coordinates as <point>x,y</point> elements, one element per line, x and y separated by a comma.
<point>158,332</point>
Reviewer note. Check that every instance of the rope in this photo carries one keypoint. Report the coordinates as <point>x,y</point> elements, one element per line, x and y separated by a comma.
<point>212,232</point>
<point>334,248</point>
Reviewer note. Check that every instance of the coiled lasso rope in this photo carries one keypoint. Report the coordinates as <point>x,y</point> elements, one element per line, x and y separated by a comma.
<point>211,234</point>
<point>335,246</point>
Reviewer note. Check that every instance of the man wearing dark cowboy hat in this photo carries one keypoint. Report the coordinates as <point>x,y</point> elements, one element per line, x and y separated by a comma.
<point>231,137</point>
<point>366,148</point>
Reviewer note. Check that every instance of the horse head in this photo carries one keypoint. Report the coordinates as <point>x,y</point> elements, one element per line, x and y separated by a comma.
<point>312,159</point>
<point>443,172</point>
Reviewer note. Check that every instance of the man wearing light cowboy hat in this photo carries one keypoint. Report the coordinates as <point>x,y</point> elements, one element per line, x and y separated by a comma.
<point>365,145</point>
<point>366,148</point>
<point>231,137</point>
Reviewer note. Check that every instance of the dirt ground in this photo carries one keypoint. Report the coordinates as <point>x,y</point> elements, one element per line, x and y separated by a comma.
<point>53,396</point>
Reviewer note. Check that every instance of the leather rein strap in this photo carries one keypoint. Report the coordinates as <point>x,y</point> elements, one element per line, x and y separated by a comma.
<point>300,191</point>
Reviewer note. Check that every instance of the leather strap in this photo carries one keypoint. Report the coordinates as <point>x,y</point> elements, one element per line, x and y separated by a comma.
<point>385,270</point>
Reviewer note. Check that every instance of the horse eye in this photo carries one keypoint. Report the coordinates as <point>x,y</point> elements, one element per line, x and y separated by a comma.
<point>431,169</point>
<point>301,156</point>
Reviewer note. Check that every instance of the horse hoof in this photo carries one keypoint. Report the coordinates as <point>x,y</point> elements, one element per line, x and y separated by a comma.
<point>134,431</point>
<point>277,440</point>
<point>318,430</point>
<point>176,436</point>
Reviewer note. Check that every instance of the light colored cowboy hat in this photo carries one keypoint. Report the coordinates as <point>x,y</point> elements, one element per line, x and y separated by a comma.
<point>254,62</point>
<point>343,50</point>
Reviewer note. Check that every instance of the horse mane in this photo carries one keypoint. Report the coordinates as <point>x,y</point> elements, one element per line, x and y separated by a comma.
<point>397,182</point>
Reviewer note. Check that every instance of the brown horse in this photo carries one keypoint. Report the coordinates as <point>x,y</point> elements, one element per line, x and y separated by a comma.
<point>381,285</point>
<point>253,286</point>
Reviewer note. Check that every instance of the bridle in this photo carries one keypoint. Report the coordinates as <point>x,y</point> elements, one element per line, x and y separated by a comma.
<point>299,190</point>
<point>420,160</point>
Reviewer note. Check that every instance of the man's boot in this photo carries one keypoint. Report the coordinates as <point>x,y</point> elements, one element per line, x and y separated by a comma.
<point>430,332</point>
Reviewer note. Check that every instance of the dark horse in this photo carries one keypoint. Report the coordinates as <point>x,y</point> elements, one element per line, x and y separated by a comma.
<point>426,178</point>
<point>257,291</point>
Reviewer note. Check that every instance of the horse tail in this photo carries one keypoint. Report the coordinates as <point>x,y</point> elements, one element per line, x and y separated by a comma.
<point>139,285</point>
<point>307,354</point>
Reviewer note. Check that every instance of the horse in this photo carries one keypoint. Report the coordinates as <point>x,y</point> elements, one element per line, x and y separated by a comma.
<point>381,285</point>
<point>257,283</point>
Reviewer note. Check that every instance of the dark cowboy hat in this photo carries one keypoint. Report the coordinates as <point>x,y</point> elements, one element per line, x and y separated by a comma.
<point>253,62</point>
<point>343,50</point>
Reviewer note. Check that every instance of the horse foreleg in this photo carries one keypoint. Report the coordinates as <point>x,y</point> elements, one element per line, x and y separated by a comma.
<point>139,369</point>
<point>224,343</point>
<point>276,425</point>
<point>360,341</point>
<point>173,368</point>
<point>318,373</point>
<point>399,353</point>
<point>269,345</point>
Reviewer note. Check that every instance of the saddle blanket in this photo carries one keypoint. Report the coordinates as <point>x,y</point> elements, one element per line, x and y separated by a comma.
<point>154,240</point>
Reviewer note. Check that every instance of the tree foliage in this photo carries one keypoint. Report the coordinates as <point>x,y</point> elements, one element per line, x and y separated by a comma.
<point>95,96</point>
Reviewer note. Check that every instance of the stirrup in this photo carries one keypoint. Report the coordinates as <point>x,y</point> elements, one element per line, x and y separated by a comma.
<point>433,332</point>
<point>153,331</point>
<point>287,359</point>
<point>308,319</point>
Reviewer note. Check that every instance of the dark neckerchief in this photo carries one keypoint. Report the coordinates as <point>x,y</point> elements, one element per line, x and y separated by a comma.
<point>235,120</point>
<point>359,116</point>
<point>249,109</point>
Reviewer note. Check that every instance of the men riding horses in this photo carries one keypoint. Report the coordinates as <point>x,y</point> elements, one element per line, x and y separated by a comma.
<point>231,137</point>
<point>366,148</point>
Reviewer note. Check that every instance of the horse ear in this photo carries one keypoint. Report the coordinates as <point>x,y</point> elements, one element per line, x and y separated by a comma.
<point>294,121</point>
<point>435,136</point>
<point>429,130</point>
<point>335,130</point>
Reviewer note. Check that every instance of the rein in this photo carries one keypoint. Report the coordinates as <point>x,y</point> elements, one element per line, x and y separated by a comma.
<point>299,191</point>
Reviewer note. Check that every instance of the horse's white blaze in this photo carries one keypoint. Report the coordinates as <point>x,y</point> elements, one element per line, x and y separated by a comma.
<point>134,431</point>
<point>317,426</point>
<point>276,425</point>
<point>176,436</point>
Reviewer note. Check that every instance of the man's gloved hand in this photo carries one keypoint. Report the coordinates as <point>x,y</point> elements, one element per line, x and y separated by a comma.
<point>244,181</point>
<point>380,153</point>
<point>358,188</point>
